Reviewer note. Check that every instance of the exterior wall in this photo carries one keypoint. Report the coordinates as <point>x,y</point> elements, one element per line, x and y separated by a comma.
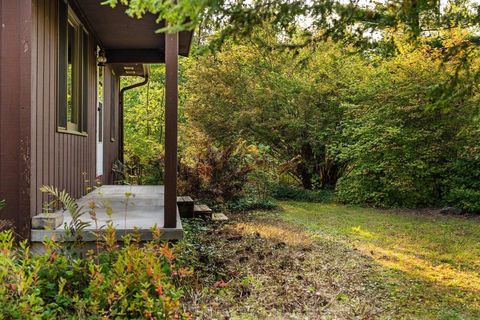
<point>32,152</point>
<point>15,88</point>
<point>64,160</point>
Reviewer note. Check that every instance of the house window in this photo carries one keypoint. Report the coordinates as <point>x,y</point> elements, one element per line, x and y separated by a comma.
<point>72,72</point>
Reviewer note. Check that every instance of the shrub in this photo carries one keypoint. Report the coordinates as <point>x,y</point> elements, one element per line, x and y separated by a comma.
<point>128,282</point>
<point>216,174</point>
<point>290,192</point>
<point>131,281</point>
<point>465,180</point>
<point>250,204</point>
<point>465,199</point>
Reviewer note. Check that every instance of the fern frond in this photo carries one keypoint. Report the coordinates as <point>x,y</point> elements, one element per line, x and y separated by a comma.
<point>69,204</point>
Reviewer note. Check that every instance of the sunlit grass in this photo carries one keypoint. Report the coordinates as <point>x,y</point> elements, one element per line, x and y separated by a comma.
<point>430,263</point>
<point>272,232</point>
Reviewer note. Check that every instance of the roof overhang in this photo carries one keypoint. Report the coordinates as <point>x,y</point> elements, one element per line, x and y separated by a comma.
<point>127,40</point>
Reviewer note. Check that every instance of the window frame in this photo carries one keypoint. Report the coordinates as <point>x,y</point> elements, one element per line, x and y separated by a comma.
<point>76,123</point>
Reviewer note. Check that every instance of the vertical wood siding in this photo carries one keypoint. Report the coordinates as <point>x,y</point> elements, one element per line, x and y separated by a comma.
<point>15,87</point>
<point>64,160</point>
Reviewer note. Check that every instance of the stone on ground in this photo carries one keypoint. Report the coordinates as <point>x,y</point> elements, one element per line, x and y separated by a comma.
<point>219,217</point>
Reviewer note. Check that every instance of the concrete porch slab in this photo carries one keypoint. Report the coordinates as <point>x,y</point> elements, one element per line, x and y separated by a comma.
<point>133,209</point>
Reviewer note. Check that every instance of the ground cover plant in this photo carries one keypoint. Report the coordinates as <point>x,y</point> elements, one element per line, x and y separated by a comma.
<point>307,260</point>
<point>131,281</point>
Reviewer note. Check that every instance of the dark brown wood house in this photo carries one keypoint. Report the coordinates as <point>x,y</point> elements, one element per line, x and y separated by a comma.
<point>60,97</point>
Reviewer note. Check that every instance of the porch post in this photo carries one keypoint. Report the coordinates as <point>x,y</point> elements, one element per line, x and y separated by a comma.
<point>171,106</point>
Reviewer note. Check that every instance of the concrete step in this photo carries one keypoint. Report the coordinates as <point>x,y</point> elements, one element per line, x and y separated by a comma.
<point>119,197</point>
<point>138,217</point>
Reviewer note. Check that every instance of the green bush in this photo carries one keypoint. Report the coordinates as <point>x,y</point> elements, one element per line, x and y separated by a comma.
<point>128,282</point>
<point>250,204</point>
<point>465,180</point>
<point>465,199</point>
<point>289,192</point>
<point>401,138</point>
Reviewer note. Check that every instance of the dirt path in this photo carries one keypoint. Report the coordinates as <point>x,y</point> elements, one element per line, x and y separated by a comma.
<point>259,267</point>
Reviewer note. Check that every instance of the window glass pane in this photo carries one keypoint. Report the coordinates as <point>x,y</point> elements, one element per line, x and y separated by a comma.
<point>71,70</point>
<point>113,109</point>
<point>100,103</point>
<point>100,84</point>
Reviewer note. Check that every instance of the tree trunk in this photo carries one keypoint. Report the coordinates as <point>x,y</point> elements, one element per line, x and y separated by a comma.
<point>304,171</point>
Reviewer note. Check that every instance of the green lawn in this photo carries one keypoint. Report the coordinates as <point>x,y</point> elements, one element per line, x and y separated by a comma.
<point>429,263</point>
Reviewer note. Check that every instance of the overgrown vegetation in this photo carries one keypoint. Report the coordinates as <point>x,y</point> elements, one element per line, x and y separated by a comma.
<point>124,279</point>
<point>378,106</point>
<point>371,128</point>
<point>130,281</point>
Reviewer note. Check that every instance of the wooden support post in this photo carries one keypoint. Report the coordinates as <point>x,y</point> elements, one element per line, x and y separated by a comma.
<point>171,113</point>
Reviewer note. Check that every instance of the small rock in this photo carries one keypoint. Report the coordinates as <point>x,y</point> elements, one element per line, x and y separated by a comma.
<point>219,217</point>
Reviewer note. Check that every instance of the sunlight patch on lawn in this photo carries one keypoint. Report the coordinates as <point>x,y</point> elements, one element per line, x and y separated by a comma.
<point>364,233</point>
<point>442,274</point>
<point>272,232</point>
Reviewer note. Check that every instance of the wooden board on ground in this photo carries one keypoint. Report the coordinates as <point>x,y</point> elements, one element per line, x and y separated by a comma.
<point>185,206</point>
<point>201,209</point>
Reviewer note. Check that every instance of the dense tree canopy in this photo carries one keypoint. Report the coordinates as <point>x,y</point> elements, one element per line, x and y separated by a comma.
<point>385,128</point>
<point>274,99</point>
<point>377,102</point>
<point>337,19</point>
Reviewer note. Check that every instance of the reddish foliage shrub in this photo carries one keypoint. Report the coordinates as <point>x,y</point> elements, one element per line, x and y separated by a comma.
<point>217,174</point>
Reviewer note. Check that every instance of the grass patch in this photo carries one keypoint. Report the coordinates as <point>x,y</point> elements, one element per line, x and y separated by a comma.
<point>256,266</point>
<point>430,263</point>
